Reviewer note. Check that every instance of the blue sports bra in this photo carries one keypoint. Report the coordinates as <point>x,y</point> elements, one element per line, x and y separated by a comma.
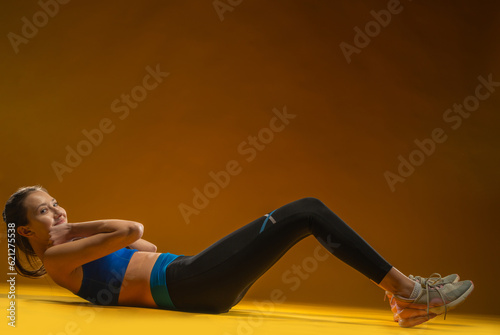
<point>103,277</point>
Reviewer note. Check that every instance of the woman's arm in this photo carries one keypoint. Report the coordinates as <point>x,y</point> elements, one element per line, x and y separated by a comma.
<point>63,233</point>
<point>142,245</point>
<point>102,238</point>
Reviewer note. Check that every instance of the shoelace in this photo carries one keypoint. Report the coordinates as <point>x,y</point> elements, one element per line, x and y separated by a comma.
<point>434,279</point>
<point>430,282</point>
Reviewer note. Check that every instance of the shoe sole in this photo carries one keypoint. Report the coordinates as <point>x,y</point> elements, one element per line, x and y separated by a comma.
<point>412,322</point>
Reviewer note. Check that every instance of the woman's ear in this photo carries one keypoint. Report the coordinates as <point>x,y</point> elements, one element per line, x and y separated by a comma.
<point>24,231</point>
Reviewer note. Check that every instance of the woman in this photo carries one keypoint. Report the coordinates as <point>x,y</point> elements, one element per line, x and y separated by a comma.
<point>107,263</point>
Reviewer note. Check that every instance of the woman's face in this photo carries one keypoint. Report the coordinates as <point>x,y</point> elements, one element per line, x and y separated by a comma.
<point>43,212</point>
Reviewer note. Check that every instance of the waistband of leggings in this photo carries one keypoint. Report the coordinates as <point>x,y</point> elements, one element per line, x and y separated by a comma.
<point>158,281</point>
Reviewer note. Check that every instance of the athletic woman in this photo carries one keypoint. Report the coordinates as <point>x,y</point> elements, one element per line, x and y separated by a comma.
<point>107,263</point>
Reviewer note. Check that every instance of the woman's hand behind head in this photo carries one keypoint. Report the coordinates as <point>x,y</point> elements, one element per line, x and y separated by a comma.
<point>60,233</point>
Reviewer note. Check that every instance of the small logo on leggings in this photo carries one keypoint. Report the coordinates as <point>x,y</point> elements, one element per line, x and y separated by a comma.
<point>268,217</point>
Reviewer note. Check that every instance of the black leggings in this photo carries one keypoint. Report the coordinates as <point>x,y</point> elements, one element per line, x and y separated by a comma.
<point>217,278</point>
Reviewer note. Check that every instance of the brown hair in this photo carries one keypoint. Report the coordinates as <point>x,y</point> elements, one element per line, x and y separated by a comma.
<point>15,212</point>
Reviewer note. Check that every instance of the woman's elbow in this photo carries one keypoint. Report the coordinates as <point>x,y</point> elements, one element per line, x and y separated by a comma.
<point>135,230</point>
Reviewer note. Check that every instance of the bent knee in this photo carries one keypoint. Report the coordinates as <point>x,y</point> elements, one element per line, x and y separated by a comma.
<point>311,207</point>
<point>311,203</point>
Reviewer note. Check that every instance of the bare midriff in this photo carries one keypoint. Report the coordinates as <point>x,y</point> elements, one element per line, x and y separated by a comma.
<point>135,290</point>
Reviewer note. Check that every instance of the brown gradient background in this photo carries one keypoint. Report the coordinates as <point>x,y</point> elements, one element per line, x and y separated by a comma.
<point>353,120</point>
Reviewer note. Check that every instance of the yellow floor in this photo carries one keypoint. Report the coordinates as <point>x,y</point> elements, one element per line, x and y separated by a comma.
<point>57,312</point>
